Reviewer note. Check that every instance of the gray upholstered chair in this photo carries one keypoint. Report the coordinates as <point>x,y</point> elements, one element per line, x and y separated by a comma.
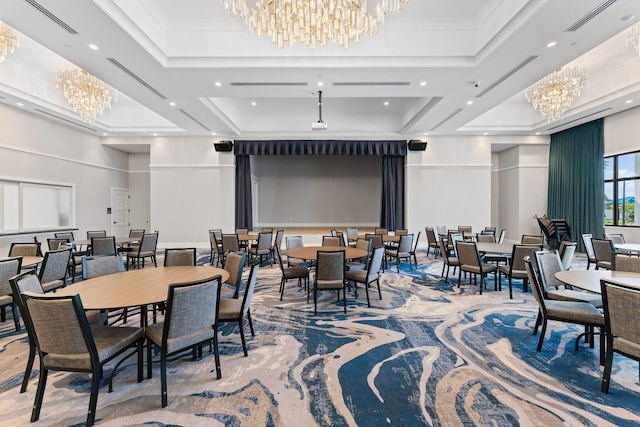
<point>65,235</point>
<point>351,235</point>
<point>401,232</point>
<point>329,276</point>
<point>103,245</point>
<point>432,241</point>
<point>277,241</point>
<point>402,251</point>
<point>54,244</point>
<point>300,272</point>
<point>174,257</point>
<point>626,263</point>
<point>235,266</point>
<point>147,249</point>
<point>96,233</point>
<point>368,275</point>
<point>263,248</point>
<point>581,313</point>
<point>491,230</point>
<point>190,321</point>
<point>616,238</point>
<point>515,269</point>
<point>8,268</point>
<point>215,240</point>
<point>381,231</point>
<point>531,239</point>
<point>295,242</point>
<point>65,342</point>
<point>53,271</point>
<point>414,250</point>
<point>448,261</point>
<point>360,263</point>
<point>331,241</point>
<point>486,238</point>
<point>100,265</point>
<point>623,336</point>
<point>24,249</point>
<point>603,251</point>
<point>376,240</point>
<point>230,243</point>
<point>236,309</point>
<point>76,252</point>
<point>587,241</point>
<point>566,251</point>
<point>466,231</point>
<point>470,262</point>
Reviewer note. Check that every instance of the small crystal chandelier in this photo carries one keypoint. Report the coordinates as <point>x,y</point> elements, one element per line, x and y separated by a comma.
<point>88,95</point>
<point>312,22</point>
<point>8,41</point>
<point>633,37</point>
<point>553,94</point>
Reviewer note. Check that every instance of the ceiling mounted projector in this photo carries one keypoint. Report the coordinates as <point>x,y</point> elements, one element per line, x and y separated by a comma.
<point>319,125</point>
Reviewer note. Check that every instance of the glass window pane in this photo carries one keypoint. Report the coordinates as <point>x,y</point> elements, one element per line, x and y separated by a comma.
<point>608,168</point>
<point>627,202</point>
<point>608,203</point>
<point>627,164</point>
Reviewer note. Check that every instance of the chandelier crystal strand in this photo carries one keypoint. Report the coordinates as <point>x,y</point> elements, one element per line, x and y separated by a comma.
<point>8,41</point>
<point>312,22</point>
<point>633,37</point>
<point>553,94</point>
<point>88,95</point>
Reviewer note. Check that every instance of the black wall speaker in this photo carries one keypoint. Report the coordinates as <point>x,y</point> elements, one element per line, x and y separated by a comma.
<point>414,145</point>
<point>223,146</point>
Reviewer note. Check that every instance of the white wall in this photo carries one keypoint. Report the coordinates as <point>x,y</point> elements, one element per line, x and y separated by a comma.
<point>35,148</point>
<point>449,183</point>
<point>140,191</point>
<point>192,190</point>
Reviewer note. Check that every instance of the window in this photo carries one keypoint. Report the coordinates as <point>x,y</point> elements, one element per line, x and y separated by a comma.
<point>621,184</point>
<point>31,206</point>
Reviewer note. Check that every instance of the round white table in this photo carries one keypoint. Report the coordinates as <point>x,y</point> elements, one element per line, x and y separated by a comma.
<point>589,280</point>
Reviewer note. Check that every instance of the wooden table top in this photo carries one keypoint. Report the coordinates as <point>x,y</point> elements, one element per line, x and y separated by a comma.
<point>28,261</point>
<point>311,252</point>
<point>589,280</point>
<point>136,287</point>
<point>119,241</point>
<point>495,248</point>
<point>385,237</point>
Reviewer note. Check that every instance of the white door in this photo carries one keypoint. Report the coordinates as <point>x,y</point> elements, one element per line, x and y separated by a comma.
<point>119,212</point>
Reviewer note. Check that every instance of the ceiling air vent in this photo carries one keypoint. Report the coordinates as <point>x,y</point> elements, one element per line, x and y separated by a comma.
<point>589,16</point>
<point>135,77</point>
<point>371,83</point>
<point>262,84</point>
<point>51,16</point>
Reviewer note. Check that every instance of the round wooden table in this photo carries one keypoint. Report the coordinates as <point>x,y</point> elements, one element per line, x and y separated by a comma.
<point>27,261</point>
<point>310,253</point>
<point>589,280</point>
<point>136,287</point>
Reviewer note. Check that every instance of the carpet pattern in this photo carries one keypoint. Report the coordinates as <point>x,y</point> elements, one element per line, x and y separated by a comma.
<point>428,353</point>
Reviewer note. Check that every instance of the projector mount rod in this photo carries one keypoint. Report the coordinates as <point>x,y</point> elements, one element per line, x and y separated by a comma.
<point>320,106</point>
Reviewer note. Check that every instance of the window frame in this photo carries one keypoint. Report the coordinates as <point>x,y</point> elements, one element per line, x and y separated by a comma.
<point>615,181</point>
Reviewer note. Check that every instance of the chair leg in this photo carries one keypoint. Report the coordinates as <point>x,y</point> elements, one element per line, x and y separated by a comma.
<point>378,283</point>
<point>42,383</point>
<point>149,360</point>
<point>244,342</point>
<point>344,296</point>
<point>27,371</point>
<point>366,289</point>
<point>16,316</point>
<point>608,361</point>
<point>538,323</point>
<point>542,332</point>
<point>253,334</point>
<point>93,398</point>
<point>216,354</point>
<point>510,289</point>
<point>163,377</point>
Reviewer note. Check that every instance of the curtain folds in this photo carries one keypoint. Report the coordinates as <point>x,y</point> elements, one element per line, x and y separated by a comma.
<point>244,208</point>
<point>392,152</point>
<point>576,179</point>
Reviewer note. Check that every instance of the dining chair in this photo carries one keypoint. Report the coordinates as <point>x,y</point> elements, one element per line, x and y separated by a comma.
<point>515,269</point>
<point>235,266</point>
<point>351,235</point>
<point>100,265</point>
<point>432,241</point>
<point>402,251</point>
<point>401,232</point>
<point>603,251</point>
<point>581,313</point>
<point>566,251</point>
<point>103,245</point>
<point>97,233</point>
<point>616,238</point>
<point>492,230</point>
<point>487,238</point>
<point>147,249</point>
<point>9,268</point>
<point>330,241</point>
<point>299,272</point>
<point>295,242</point>
<point>621,303</point>
<point>626,263</point>
<point>174,257</point>
<point>190,321</point>
<point>381,231</point>
<point>448,261</point>
<point>369,275</point>
<point>54,268</point>
<point>65,342</point>
<point>230,243</point>
<point>132,246</point>
<point>414,249</point>
<point>215,240</point>
<point>24,249</point>
<point>531,239</point>
<point>587,241</point>
<point>277,241</point>
<point>236,309</point>
<point>329,276</point>
<point>360,263</point>
<point>470,262</point>
<point>263,248</point>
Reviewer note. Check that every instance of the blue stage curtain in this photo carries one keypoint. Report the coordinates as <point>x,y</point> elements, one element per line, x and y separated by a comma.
<point>393,153</point>
<point>576,179</point>
<point>244,215</point>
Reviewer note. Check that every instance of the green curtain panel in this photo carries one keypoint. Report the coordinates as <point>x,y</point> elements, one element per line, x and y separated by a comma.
<point>576,179</point>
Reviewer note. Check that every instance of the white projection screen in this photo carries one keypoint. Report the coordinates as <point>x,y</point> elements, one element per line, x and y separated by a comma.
<point>316,190</point>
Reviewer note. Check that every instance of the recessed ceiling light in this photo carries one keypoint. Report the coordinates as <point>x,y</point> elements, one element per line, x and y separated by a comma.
<point>218,84</point>
<point>628,101</point>
<point>537,133</point>
<point>386,103</point>
<point>19,104</point>
<point>469,102</point>
<point>627,18</point>
<point>253,103</point>
<point>213,133</point>
<point>426,133</point>
<point>552,44</point>
<point>423,83</point>
<point>486,133</point>
<point>320,83</point>
<point>105,134</point>
<point>173,104</point>
<point>93,47</point>
<point>155,134</point>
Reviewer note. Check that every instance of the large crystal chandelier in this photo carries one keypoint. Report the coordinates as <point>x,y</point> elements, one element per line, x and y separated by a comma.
<point>88,95</point>
<point>553,94</point>
<point>312,22</point>
<point>8,41</point>
<point>633,37</point>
